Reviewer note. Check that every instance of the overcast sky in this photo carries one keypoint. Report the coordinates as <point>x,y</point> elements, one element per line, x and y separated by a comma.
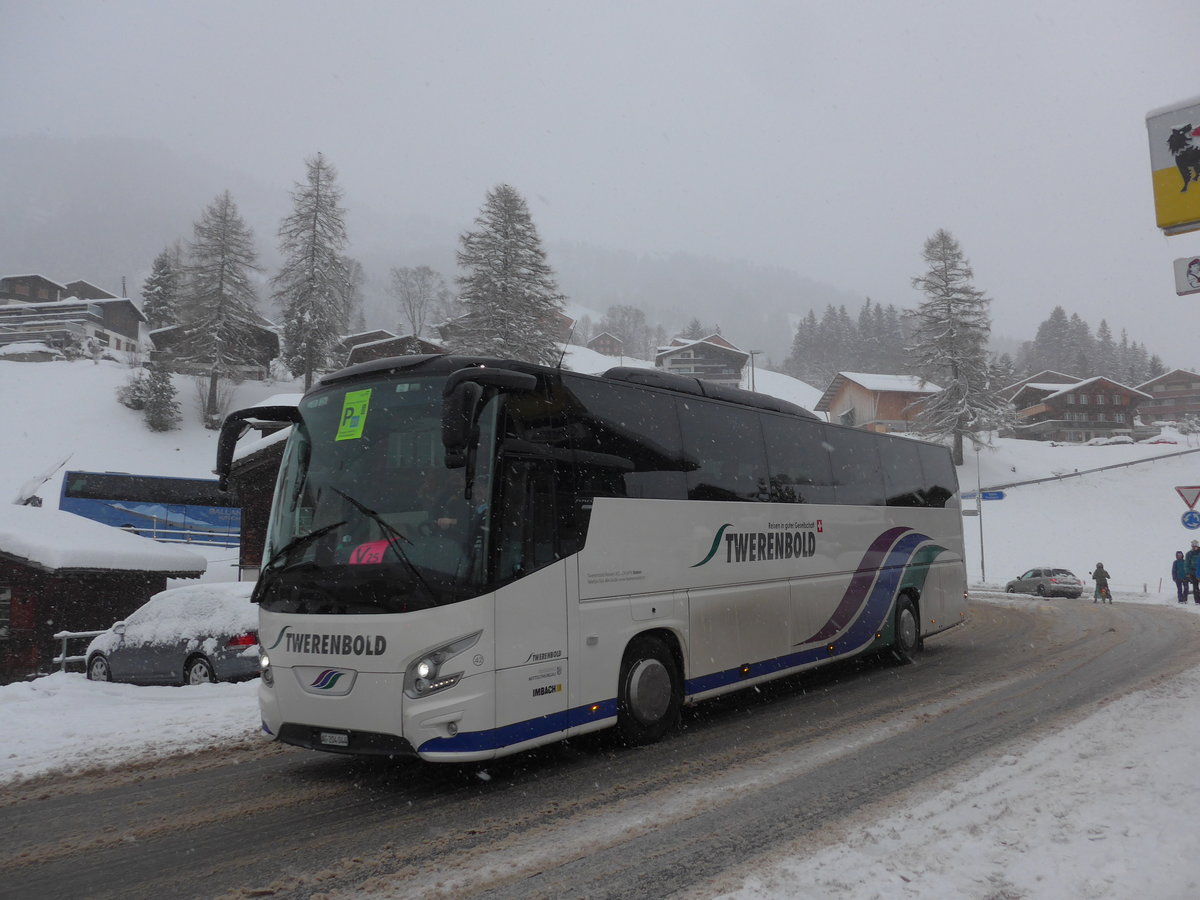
<point>830,138</point>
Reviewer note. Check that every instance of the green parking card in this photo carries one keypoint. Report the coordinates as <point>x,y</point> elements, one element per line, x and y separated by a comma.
<point>354,415</point>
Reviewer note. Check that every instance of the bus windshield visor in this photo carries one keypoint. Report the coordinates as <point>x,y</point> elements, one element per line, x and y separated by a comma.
<point>367,518</point>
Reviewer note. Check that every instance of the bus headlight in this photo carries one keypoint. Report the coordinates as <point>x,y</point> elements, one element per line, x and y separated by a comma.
<point>264,668</point>
<point>425,676</point>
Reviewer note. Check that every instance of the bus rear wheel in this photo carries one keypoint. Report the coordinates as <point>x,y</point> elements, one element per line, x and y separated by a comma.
<point>650,695</point>
<point>907,630</point>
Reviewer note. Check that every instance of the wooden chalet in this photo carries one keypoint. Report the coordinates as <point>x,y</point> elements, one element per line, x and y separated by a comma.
<point>404,345</point>
<point>711,358</point>
<point>1087,409</point>
<point>875,402</point>
<point>1174,395</point>
<point>608,344</point>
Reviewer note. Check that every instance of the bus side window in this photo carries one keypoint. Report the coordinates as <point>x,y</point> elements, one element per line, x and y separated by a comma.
<point>798,457</point>
<point>856,470</point>
<point>640,426</point>
<point>728,443</point>
<point>527,519</point>
<point>902,473</point>
<point>938,468</point>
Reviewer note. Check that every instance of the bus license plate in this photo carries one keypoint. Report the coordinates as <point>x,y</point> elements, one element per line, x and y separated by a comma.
<point>334,739</point>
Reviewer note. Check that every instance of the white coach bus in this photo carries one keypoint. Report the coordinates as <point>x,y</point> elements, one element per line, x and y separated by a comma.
<point>469,557</point>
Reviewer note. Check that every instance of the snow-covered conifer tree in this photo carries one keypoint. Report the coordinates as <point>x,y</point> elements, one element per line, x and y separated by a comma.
<point>162,409</point>
<point>508,289</point>
<point>219,299</point>
<point>160,291</point>
<point>311,287</point>
<point>950,346</point>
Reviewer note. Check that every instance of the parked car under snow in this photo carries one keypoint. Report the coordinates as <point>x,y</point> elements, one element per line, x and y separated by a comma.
<point>189,635</point>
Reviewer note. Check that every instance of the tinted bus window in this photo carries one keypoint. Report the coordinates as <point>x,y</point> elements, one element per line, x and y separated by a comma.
<point>635,425</point>
<point>902,476</point>
<point>727,445</point>
<point>940,478</point>
<point>798,460</point>
<point>855,458</point>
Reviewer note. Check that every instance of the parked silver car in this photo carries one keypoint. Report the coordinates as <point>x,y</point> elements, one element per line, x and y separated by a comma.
<point>1046,582</point>
<point>190,635</point>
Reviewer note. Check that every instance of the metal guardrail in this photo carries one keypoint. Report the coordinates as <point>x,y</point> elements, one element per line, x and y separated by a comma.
<point>62,659</point>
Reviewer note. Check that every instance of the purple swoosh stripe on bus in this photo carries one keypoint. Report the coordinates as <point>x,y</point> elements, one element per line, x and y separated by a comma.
<point>860,584</point>
<point>873,615</point>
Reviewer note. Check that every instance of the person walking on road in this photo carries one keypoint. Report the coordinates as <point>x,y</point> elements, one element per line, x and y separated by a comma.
<point>1181,576</point>
<point>1193,560</point>
<point>1194,571</point>
<point>1101,577</point>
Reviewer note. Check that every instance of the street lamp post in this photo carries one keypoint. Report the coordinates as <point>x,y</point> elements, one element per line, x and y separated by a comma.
<point>753,353</point>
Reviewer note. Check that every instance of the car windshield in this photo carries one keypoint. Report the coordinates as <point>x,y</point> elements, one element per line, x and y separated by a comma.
<point>1061,572</point>
<point>367,517</point>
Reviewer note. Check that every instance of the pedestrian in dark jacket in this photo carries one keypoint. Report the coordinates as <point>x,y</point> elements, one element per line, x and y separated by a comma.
<point>1193,560</point>
<point>1101,577</point>
<point>1181,576</point>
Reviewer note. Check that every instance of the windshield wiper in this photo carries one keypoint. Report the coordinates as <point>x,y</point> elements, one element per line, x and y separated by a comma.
<point>394,537</point>
<point>301,540</point>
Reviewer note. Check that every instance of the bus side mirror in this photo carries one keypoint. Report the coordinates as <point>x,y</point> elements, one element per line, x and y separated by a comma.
<point>235,426</point>
<point>459,423</point>
<point>462,398</point>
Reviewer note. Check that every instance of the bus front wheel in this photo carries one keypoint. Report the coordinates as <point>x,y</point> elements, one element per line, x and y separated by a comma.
<point>650,696</point>
<point>907,631</point>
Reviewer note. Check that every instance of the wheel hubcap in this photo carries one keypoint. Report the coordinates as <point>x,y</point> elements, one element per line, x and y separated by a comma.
<point>649,690</point>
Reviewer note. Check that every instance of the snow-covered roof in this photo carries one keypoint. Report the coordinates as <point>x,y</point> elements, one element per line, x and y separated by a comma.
<point>872,381</point>
<point>349,338</point>
<point>1054,386</point>
<point>1062,376</point>
<point>59,305</point>
<point>724,347</point>
<point>1166,376</point>
<point>34,275</point>
<point>1059,390</point>
<point>247,449</point>
<point>54,540</point>
<point>292,399</point>
<point>909,384</point>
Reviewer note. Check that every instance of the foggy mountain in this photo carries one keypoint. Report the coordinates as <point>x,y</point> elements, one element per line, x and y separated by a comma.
<point>101,209</point>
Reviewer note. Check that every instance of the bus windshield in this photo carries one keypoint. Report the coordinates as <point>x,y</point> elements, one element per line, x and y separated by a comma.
<point>367,518</point>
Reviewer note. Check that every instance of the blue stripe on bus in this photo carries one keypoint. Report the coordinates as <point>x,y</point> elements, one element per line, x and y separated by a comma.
<point>495,738</point>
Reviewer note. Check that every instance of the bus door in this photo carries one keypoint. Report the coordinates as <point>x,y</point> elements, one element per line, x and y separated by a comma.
<point>531,600</point>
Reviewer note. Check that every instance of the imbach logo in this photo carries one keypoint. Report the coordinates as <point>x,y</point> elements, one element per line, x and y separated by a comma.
<point>759,546</point>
